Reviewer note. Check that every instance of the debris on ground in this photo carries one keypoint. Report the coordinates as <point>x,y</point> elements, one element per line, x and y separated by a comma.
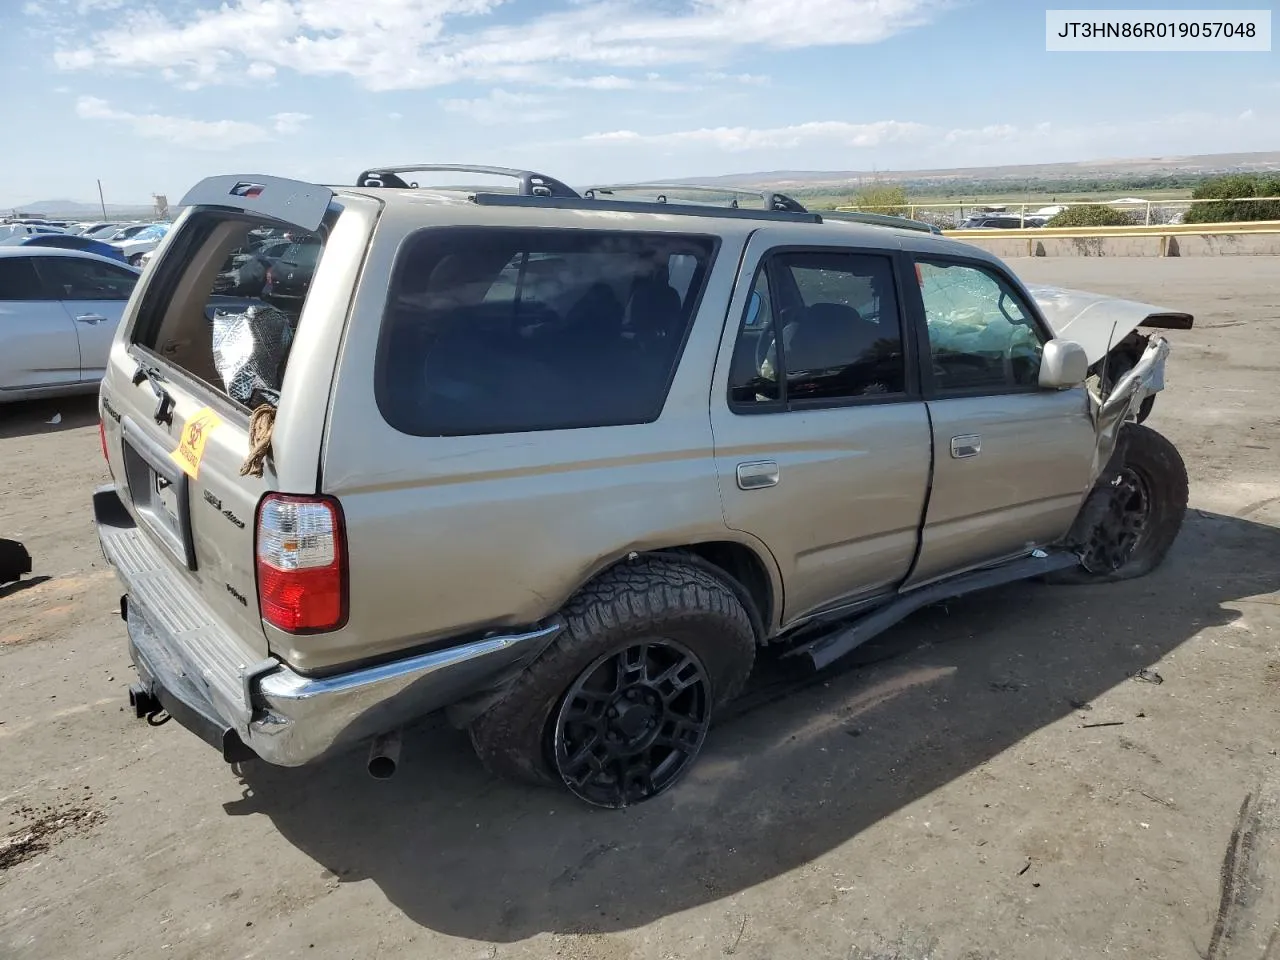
<point>14,560</point>
<point>1104,723</point>
<point>1147,675</point>
<point>38,835</point>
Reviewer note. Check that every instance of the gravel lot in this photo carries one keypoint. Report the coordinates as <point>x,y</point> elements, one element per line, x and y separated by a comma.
<point>988,781</point>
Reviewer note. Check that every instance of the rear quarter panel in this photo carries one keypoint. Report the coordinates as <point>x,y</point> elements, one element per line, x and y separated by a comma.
<point>453,535</point>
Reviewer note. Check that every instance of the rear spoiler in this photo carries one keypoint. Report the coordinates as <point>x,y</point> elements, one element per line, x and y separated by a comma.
<point>294,202</point>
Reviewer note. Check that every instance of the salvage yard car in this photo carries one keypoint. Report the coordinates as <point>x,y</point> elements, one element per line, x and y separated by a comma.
<point>58,315</point>
<point>561,465</point>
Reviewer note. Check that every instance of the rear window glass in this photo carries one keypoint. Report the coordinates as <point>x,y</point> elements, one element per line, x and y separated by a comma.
<point>225,313</point>
<point>492,330</point>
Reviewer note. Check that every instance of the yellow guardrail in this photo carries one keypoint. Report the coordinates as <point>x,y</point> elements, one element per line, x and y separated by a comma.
<point>1025,208</point>
<point>1171,229</point>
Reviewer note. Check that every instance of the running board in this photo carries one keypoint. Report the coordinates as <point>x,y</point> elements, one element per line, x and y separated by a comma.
<point>827,649</point>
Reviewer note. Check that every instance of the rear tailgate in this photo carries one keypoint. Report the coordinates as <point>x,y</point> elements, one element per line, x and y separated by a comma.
<point>180,389</point>
<point>181,480</point>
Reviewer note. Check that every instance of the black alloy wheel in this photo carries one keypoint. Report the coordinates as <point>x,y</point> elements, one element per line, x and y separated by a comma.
<point>632,723</point>
<point>1121,529</point>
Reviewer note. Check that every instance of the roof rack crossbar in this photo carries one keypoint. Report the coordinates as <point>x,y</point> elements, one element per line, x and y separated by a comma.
<point>644,206</point>
<point>882,220</point>
<point>772,199</point>
<point>532,184</point>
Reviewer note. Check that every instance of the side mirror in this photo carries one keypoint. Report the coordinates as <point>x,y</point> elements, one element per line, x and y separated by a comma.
<point>1063,364</point>
<point>753,309</point>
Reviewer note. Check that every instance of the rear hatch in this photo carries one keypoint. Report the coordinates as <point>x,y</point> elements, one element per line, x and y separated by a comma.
<point>187,371</point>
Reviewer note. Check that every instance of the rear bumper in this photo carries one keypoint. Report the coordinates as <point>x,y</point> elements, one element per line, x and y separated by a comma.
<point>211,682</point>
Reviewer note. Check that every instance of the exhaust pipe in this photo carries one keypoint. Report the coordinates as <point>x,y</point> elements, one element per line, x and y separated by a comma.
<point>384,755</point>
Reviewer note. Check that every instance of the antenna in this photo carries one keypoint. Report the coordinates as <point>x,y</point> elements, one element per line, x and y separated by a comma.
<point>1103,386</point>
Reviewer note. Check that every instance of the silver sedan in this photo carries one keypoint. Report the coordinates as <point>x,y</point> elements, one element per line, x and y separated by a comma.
<point>59,310</point>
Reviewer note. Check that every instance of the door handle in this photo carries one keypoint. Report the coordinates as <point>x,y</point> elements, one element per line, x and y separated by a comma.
<point>967,446</point>
<point>758,474</point>
<point>91,318</point>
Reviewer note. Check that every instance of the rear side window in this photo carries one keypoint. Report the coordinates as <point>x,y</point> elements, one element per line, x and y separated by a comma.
<point>495,330</point>
<point>18,279</point>
<point>224,316</point>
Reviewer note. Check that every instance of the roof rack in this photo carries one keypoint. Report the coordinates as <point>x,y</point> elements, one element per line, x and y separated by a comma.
<point>772,199</point>
<point>643,206</point>
<point>882,220</point>
<point>531,184</point>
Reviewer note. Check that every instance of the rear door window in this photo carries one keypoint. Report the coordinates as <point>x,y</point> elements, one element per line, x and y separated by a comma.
<point>19,280</point>
<point>235,337</point>
<point>496,330</point>
<point>74,278</point>
<point>834,319</point>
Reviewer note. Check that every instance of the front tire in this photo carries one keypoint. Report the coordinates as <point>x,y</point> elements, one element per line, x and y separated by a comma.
<point>618,707</point>
<point>1134,516</point>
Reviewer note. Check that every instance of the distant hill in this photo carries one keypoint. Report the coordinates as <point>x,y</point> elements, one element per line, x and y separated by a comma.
<point>78,210</point>
<point>1200,165</point>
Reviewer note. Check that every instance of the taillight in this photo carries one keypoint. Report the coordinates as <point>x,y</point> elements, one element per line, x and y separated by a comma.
<point>102,435</point>
<point>301,563</point>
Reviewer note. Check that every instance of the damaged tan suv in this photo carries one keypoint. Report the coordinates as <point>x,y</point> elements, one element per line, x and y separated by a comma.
<point>560,464</point>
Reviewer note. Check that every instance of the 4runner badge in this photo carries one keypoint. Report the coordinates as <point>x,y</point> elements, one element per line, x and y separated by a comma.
<point>195,434</point>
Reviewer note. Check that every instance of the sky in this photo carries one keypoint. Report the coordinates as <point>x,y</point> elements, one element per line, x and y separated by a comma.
<point>152,96</point>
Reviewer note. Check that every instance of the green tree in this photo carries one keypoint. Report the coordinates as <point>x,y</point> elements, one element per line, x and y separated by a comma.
<point>880,197</point>
<point>1090,215</point>
<point>1229,207</point>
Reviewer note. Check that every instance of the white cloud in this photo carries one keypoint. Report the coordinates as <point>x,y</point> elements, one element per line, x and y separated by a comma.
<point>260,71</point>
<point>739,139</point>
<point>395,115</point>
<point>500,106</point>
<point>747,79</point>
<point>197,134</point>
<point>289,122</point>
<point>905,145</point>
<point>401,44</point>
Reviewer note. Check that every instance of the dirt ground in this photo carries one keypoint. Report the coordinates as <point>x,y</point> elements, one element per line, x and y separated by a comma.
<point>991,780</point>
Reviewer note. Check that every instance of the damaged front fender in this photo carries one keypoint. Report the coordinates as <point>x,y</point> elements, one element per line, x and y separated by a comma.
<point>1111,410</point>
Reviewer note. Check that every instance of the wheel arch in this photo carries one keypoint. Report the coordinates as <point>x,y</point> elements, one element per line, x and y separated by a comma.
<point>748,569</point>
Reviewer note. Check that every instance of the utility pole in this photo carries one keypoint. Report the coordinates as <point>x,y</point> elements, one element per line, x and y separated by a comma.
<point>102,202</point>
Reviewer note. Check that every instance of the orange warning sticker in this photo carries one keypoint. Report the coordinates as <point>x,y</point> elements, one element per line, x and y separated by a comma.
<point>195,434</point>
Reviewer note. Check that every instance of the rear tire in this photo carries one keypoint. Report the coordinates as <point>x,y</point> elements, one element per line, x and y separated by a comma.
<point>1135,516</point>
<point>652,648</point>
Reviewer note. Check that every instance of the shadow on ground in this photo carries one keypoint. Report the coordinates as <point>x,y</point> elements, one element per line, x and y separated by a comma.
<point>29,417</point>
<point>785,779</point>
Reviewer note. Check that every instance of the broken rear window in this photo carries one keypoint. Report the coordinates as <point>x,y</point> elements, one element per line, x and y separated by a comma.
<point>225,302</point>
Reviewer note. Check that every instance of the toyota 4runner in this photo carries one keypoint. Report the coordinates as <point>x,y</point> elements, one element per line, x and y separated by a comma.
<point>561,464</point>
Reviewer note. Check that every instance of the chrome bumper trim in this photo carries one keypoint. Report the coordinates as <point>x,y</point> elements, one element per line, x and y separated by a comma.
<point>302,718</point>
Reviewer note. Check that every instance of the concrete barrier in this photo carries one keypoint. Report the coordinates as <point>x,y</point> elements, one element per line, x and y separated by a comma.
<point>1166,242</point>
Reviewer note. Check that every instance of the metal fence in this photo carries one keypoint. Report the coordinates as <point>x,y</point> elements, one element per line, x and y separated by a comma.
<point>948,216</point>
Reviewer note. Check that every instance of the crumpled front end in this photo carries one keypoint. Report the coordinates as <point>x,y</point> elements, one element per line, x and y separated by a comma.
<point>1123,401</point>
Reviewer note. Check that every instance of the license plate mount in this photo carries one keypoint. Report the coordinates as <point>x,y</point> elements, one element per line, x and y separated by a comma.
<point>160,492</point>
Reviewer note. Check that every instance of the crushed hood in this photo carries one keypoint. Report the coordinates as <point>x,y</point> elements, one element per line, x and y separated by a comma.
<point>1096,320</point>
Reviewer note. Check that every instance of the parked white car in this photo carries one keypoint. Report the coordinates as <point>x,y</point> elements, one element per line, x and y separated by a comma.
<point>59,310</point>
<point>8,230</point>
<point>144,241</point>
